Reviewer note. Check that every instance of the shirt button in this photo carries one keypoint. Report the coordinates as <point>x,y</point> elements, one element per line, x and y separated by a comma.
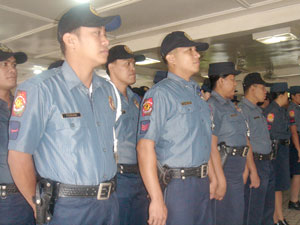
<point>72,125</point>
<point>104,149</point>
<point>104,176</point>
<point>98,124</point>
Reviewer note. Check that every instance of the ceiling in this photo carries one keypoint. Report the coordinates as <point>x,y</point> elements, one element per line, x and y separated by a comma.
<point>227,25</point>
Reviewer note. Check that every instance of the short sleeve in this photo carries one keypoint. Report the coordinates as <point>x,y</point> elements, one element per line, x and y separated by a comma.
<point>153,114</point>
<point>216,120</point>
<point>28,119</point>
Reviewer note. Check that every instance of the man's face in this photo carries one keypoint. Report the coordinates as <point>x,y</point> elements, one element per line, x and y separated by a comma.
<point>186,59</point>
<point>296,98</point>
<point>8,74</point>
<point>229,85</point>
<point>123,70</point>
<point>92,45</point>
<point>259,92</point>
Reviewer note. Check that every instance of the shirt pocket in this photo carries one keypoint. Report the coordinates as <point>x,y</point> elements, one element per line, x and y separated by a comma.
<point>58,122</point>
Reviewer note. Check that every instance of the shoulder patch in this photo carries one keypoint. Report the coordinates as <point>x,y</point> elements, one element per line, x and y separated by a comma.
<point>270,117</point>
<point>19,104</point>
<point>147,107</point>
<point>292,113</point>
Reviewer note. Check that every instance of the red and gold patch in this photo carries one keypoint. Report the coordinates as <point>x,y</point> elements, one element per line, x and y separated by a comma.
<point>19,104</point>
<point>147,107</point>
<point>270,117</point>
<point>292,113</point>
<point>111,103</point>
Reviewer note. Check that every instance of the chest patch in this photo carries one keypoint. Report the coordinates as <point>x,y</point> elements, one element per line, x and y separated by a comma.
<point>71,115</point>
<point>111,103</point>
<point>186,103</point>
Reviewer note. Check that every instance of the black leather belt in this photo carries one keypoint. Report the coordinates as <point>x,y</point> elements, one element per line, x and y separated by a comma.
<point>101,191</point>
<point>284,141</point>
<point>6,189</point>
<point>182,173</point>
<point>128,168</point>
<point>237,151</point>
<point>258,156</point>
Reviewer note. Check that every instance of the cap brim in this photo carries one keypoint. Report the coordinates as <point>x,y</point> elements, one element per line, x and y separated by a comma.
<point>236,72</point>
<point>20,57</point>
<point>111,23</point>
<point>139,58</point>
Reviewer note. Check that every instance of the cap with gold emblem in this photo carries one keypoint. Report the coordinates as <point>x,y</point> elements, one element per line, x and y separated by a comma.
<point>6,53</point>
<point>179,39</point>
<point>122,52</point>
<point>84,15</point>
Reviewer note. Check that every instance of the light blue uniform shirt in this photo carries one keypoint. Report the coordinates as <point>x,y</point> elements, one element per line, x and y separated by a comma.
<point>259,134</point>
<point>176,118</point>
<point>294,114</point>
<point>69,133</point>
<point>5,176</point>
<point>126,128</point>
<point>278,121</point>
<point>229,125</point>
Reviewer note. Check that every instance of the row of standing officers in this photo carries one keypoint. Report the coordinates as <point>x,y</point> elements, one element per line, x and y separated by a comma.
<point>74,157</point>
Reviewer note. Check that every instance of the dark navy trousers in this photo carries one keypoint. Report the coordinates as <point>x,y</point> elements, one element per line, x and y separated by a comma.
<point>230,210</point>
<point>86,211</point>
<point>14,210</point>
<point>260,202</point>
<point>133,201</point>
<point>188,202</point>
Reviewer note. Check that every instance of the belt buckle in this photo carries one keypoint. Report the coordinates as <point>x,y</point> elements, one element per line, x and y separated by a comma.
<point>104,191</point>
<point>245,151</point>
<point>204,171</point>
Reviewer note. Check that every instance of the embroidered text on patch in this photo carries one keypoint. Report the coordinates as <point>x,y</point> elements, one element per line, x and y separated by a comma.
<point>19,104</point>
<point>14,127</point>
<point>144,126</point>
<point>147,107</point>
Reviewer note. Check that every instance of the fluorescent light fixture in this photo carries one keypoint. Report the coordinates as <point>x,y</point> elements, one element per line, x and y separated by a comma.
<point>147,61</point>
<point>38,69</point>
<point>275,36</point>
<point>82,1</point>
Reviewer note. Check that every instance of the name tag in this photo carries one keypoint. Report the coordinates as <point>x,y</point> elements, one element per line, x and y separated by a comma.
<point>186,103</point>
<point>256,117</point>
<point>70,115</point>
<point>233,115</point>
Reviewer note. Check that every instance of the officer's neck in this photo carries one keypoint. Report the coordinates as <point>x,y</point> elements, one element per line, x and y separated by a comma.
<point>181,73</point>
<point>82,69</point>
<point>251,99</point>
<point>5,96</point>
<point>279,101</point>
<point>222,93</point>
<point>119,85</point>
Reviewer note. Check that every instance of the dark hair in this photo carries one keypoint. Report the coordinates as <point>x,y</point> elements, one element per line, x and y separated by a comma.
<point>214,78</point>
<point>275,95</point>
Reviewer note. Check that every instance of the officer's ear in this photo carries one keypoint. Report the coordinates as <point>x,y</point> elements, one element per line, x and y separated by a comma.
<point>70,40</point>
<point>170,58</point>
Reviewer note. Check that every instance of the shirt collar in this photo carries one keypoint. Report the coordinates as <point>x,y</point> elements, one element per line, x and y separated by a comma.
<point>72,79</point>
<point>250,104</point>
<point>219,98</point>
<point>179,79</point>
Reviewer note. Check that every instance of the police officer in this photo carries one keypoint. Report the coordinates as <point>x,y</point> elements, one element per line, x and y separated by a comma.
<point>63,120</point>
<point>13,207</point>
<point>259,202</point>
<point>175,134</point>
<point>278,125</point>
<point>230,137</point>
<point>132,196</point>
<point>294,114</point>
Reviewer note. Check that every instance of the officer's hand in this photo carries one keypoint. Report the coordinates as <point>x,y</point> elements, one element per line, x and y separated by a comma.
<point>213,188</point>
<point>157,213</point>
<point>245,175</point>
<point>255,181</point>
<point>221,190</point>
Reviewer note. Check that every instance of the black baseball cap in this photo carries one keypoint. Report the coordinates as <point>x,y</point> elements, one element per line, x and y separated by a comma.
<point>279,87</point>
<point>253,78</point>
<point>6,52</point>
<point>84,15</point>
<point>160,75</point>
<point>122,52</point>
<point>295,89</point>
<point>179,39</point>
<point>222,68</point>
